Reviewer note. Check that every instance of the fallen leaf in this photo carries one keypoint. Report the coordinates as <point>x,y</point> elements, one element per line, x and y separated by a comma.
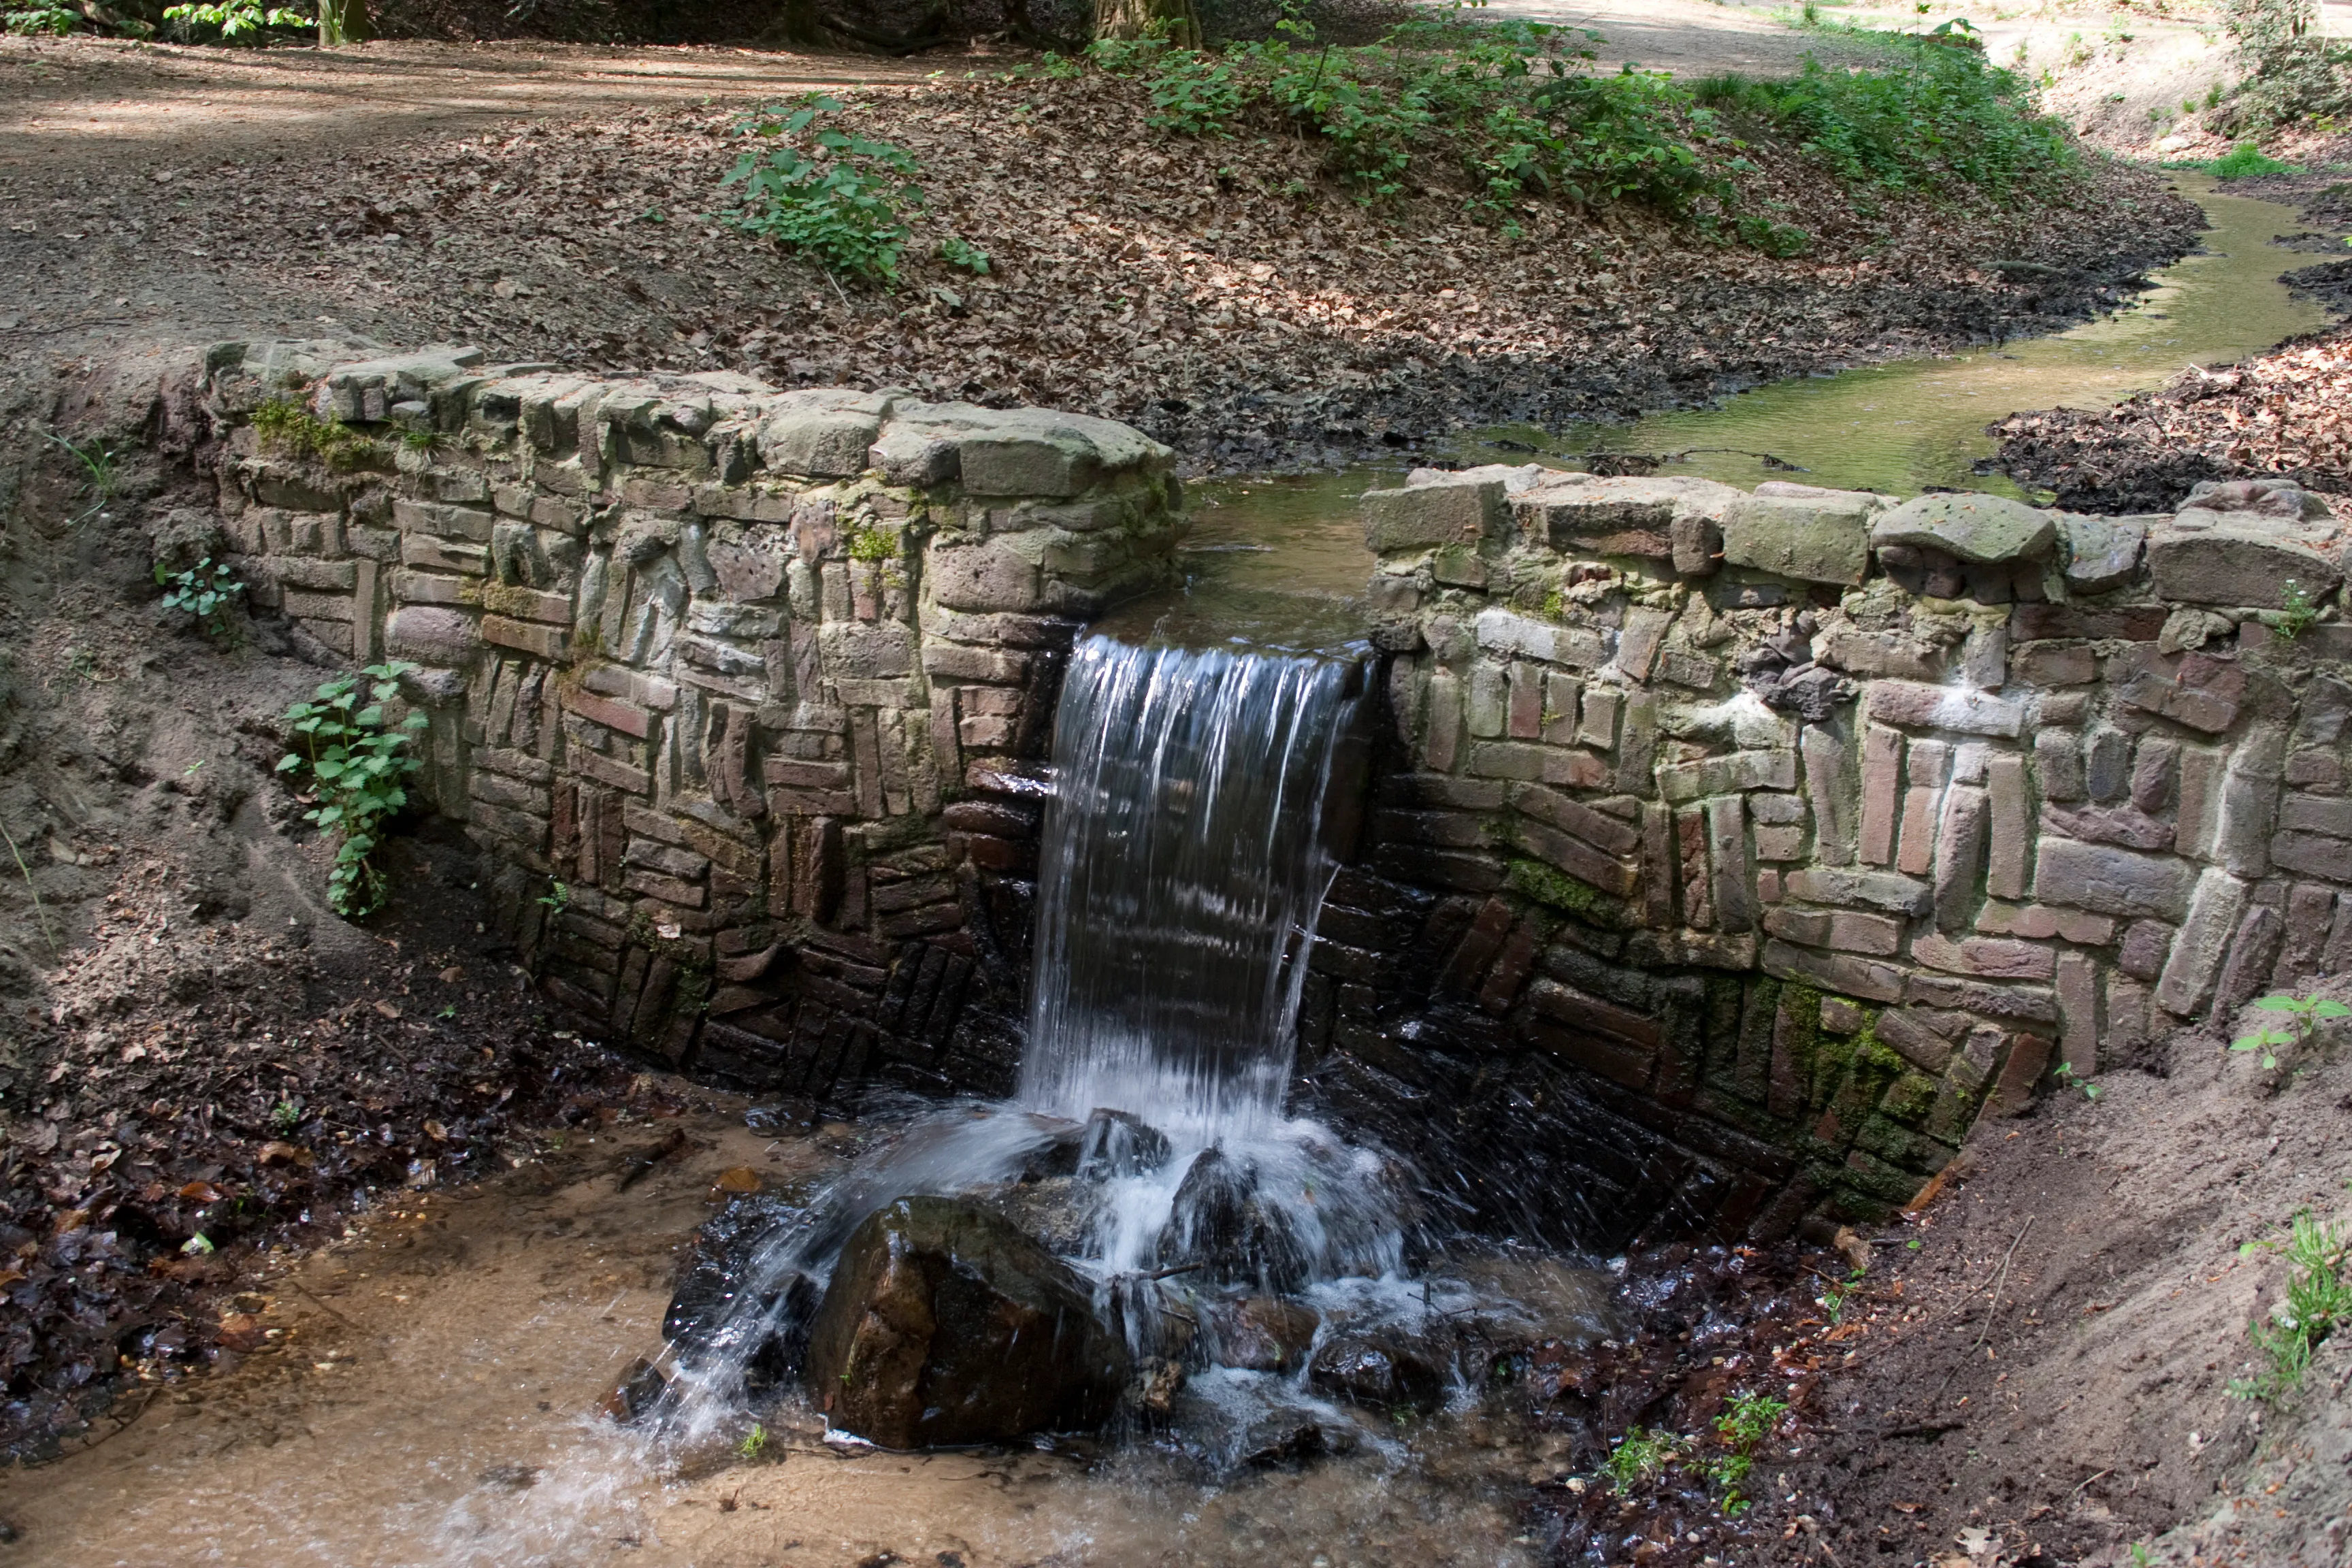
<point>241,1332</point>
<point>454,973</point>
<point>738,1179</point>
<point>201,1192</point>
<point>437,1131</point>
<point>386,1008</point>
<point>277,1153</point>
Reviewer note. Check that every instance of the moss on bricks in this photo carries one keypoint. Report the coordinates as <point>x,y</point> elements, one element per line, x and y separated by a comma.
<point>1559,891</point>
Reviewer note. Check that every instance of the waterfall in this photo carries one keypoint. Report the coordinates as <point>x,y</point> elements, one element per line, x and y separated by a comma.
<point>1185,857</point>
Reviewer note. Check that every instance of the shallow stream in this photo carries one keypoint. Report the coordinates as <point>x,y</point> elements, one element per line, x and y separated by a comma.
<point>1282,557</point>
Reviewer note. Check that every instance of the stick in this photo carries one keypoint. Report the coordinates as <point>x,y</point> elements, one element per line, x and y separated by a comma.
<point>38,912</point>
<point>1999,1281</point>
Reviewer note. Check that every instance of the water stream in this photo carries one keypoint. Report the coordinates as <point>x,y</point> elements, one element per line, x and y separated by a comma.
<point>1283,557</point>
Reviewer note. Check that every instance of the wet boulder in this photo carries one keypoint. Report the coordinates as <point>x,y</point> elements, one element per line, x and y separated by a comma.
<point>944,1324</point>
<point>723,1307</point>
<point>1392,1368</point>
<point>1108,1145</point>
<point>1261,1333</point>
<point>1221,1225</point>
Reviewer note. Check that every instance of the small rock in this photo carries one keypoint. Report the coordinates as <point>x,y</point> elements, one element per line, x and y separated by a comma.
<point>1973,527</point>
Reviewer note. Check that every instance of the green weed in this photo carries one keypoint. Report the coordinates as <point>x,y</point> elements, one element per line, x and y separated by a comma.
<point>208,591</point>
<point>962,253</point>
<point>2318,1301</point>
<point>1640,1455</point>
<point>358,766</point>
<point>2300,614</point>
<point>557,898</point>
<point>1744,1425</point>
<point>754,1443</point>
<point>2068,1079</point>
<point>284,1116</point>
<point>2246,162</point>
<point>840,203</point>
<point>231,21</point>
<point>1837,1293</point>
<point>2304,1013</point>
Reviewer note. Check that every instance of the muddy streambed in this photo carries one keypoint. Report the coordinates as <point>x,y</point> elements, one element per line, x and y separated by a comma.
<point>428,1391</point>
<point>1261,546</point>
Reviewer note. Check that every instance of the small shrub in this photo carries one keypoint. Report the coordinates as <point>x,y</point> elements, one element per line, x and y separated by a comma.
<point>2317,1302</point>
<point>2300,613</point>
<point>36,21</point>
<point>231,21</point>
<point>839,205</point>
<point>358,766</point>
<point>2247,161</point>
<point>208,591</point>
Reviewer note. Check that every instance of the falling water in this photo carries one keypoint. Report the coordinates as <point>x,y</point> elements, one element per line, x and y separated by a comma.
<point>1186,858</point>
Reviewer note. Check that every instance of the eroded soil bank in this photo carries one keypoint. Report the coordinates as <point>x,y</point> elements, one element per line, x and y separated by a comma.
<point>1222,295</point>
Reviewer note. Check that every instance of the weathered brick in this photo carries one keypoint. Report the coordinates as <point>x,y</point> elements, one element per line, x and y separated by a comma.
<point>1881,793</point>
<point>627,717</point>
<point>1724,776</point>
<point>1532,762</point>
<point>1608,834</point>
<point>2310,909</point>
<point>1735,897</point>
<point>551,643</point>
<point>1989,957</point>
<point>1824,757</point>
<point>2212,917</point>
<point>1887,890</point>
<point>2110,881</point>
<point>2252,954</point>
<point>1919,706</point>
<point>1959,856</point>
<point>1842,973</point>
<point>2040,922</point>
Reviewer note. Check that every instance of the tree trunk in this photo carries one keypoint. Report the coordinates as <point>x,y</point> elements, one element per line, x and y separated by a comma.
<point>342,22</point>
<point>1174,20</point>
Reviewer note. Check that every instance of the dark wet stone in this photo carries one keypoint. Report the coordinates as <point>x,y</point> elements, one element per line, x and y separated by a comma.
<point>1220,1226</point>
<point>1287,1437</point>
<point>1262,1334</point>
<point>1385,1367</point>
<point>944,1324</point>
<point>1107,1144</point>
<point>710,1288</point>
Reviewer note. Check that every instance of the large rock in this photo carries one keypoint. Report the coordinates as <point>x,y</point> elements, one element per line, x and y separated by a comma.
<point>1037,452</point>
<point>1619,515</point>
<point>1221,1224</point>
<point>2241,558</point>
<point>2101,553</point>
<point>1815,539</point>
<point>430,634</point>
<point>943,1324</point>
<point>1977,528</point>
<point>1463,511</point>
<point>824,433</point>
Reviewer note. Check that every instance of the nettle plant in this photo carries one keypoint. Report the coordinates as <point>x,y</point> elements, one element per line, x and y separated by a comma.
<point>357,765</point>
<point>833,196</point>
<point>208,591</point>
<point>2316,1302</point>
<point>2304,1014</point>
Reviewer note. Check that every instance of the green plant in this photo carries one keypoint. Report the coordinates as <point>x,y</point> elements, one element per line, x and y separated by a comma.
<point>26,872</point>
<point>964,254</point>
<point>754,1443</point>
<point>2288,71</point>
<point>284,1116</point>
<point>1835,1294</point>
<point>358,766</point>
<point>2068,1079</point>
<point>101,476</point>
<point>235,21</point>
<point>1744,1425</point>
<point>2246,162</point>
<point>2140,1555</point>
<point>557,898</point>
<point>38,20</point>
<point>419,438</point>
<point>208,591</point>
<point>1641,1454</point>
<point>2316,1302</point>
<point>839,203</point>
<point>2306,1013</point>
<point>2299,614</point>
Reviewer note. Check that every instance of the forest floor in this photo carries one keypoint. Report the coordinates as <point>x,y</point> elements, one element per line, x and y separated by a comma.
<point>192,1045</point>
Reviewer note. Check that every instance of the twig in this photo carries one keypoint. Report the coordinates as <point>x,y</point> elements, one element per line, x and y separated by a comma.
<point>2078,1491</point>
<point>1999,1282</point>
<point>41,914</point>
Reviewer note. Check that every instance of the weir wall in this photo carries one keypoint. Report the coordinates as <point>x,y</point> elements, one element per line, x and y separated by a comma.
<point>1731,855</point>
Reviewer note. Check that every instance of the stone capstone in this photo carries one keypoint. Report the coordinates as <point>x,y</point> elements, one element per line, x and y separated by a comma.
<point>431,634</point>
<point>2242,558</point>
<point>943,1324</point>
<point>2101,553</point>
<point>824,433</point>
<point>1975,528</point>
<point>1816,539</point>
<point>1463,511</point>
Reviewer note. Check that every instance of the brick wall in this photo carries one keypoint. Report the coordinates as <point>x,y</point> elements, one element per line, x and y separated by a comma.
<point>1735,852</point>
<point>744,694</point>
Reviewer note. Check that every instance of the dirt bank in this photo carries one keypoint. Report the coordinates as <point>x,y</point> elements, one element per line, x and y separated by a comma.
<point>1221,295</point>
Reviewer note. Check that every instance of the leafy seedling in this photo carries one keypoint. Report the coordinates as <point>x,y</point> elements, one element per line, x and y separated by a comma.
<point>208,591</point>
<point>359,766</point>
<point>2317,1302</point>
<point>2304,1014</point>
